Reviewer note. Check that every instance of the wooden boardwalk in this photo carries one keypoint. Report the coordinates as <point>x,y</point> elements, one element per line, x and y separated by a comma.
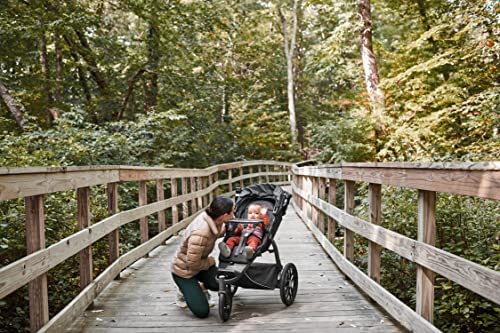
<point>143,299</point>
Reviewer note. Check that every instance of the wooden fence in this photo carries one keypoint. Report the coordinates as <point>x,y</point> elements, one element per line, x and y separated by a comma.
<point>191,191</point>
<point>314,190</point>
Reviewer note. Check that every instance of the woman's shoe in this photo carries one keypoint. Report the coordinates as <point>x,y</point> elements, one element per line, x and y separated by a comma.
<point>211,303</point>
<point>180,301</point>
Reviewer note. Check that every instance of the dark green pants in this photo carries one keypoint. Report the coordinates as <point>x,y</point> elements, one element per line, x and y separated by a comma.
<point>195,298</point>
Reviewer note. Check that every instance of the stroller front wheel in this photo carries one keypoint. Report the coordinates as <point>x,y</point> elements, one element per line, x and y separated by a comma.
<point>225,304</point>
<point>289,283</point>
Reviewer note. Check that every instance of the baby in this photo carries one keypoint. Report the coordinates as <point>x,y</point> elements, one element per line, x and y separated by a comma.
<point>255,212</point>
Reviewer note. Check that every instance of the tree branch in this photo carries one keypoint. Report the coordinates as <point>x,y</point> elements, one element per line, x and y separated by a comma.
<point>12,106</point>
<point>131,84</point>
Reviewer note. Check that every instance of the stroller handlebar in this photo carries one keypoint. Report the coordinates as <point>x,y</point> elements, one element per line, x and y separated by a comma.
<point>244,221</point>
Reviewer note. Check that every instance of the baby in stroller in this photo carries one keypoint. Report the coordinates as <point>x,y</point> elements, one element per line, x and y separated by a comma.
<point>258,212</point>
<point>255,212</point>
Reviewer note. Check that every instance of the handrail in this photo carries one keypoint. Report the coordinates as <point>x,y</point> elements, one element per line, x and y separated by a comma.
<point>33,183</point>
<point>314,193</point>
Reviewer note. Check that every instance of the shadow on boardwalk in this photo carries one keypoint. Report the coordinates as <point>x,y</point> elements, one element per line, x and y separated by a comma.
<point>143,300</point>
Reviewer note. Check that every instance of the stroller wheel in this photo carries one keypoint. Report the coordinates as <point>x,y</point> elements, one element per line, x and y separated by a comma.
<point>225,304</point>
<point>288,284</point>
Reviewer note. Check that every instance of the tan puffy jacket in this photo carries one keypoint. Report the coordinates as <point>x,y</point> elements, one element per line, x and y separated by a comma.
<point>197,243</point>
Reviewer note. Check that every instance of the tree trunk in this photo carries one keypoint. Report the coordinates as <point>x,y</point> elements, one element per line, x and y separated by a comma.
<point>377,98</point>
<point>131,84</point>
<point>224,113</point>
<point>44,64</point>
<point>11,105</point>
<point>289,64</point>
<point>151,79</point>
<point>59,67</point>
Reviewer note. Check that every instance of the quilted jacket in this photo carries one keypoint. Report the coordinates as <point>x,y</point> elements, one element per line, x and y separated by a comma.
<point>196,245</point>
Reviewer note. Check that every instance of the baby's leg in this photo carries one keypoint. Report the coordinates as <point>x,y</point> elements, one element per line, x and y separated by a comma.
<point>233,241</point>
<point>254,242</point>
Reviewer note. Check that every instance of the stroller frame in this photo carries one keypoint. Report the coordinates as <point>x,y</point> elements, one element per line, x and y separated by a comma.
<point>239,271</point>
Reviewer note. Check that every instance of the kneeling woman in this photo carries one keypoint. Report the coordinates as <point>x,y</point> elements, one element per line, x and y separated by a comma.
<point>192,263</point>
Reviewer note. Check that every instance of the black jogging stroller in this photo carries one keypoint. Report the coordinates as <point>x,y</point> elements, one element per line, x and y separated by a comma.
<point>239,271</point>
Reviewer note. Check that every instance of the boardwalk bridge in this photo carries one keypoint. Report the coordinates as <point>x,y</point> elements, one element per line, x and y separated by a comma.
<point>136,294</point>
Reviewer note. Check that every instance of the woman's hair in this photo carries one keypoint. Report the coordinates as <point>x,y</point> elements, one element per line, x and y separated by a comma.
<point>219,206</point>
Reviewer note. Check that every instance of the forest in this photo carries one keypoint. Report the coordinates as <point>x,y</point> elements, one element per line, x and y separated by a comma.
<point>187,83</point>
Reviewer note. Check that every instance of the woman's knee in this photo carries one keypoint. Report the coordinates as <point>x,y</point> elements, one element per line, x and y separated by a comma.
<point>200,310</point>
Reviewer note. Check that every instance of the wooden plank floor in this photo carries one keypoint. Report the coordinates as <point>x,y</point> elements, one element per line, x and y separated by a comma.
<point>143,300</point>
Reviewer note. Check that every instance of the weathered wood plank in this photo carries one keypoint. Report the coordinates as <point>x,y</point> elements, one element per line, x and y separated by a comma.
<point>65,317</point>
<point>114,236</point>
<point>35,240</point>
<point>22,271</point>
<point>477,278</point>
<point>400,311</point>
<point>143,299</point>
<point>83,217</point>
<point>374,250</point>
<point>349,192</point>
<point>30,184</point>
<point>473,179</point>
<point>160,196</point>
<point>426,234</point>
<point>143,221</point>
<point>332,199</point>
<point>173,194</point>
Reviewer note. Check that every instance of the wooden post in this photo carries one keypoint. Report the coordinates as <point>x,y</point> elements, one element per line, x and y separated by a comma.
<point>314,193</point>
<point>309,189</point>
<point>260,170</point>
<point>160,196</point>
<point>332,199</point>
<point>114,236</point>
<point>204,181</point>
<point>192,181</point>
<point>184,190</point>
<point>241,180</point>
<point>250,171</point>
<point>199,186</point>
<point>175,212</point>
<point>143,200</point>
<point>374,250</point>
<point>83,199</point>
<point>216,179</point>
<point>35,240</point>
<point>267,172</point>
<point>349,209</point>
<point>211,194</point>
<point>230,177</point>
<point>322,196</point>
<point>301,186</point>
<point>426,234</point>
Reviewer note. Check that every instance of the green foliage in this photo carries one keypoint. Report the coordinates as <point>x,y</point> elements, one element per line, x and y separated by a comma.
<point>197,83</point>
<point>467,227</point>
<point>343,139</point>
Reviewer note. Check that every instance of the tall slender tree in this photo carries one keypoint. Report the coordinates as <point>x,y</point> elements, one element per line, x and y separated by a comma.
<point>289,49</point>
<point>372,79</point>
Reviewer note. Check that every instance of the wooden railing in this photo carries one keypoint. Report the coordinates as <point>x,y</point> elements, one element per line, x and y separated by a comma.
<point>314,190</point>
<point>197,188</point>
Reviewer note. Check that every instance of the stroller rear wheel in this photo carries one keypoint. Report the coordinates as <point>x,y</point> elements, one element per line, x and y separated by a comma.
<point>289,283</point>
<point>225,303</point>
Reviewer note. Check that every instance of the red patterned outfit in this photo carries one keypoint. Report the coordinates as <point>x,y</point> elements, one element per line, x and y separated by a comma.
<point>254,240</point>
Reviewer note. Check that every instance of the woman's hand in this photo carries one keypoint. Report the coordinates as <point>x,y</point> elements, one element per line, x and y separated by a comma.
<point>211,261</point>
<point>240,227</point>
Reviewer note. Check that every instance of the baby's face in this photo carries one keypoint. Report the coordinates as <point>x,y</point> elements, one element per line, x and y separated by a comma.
<point>253,212</point>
